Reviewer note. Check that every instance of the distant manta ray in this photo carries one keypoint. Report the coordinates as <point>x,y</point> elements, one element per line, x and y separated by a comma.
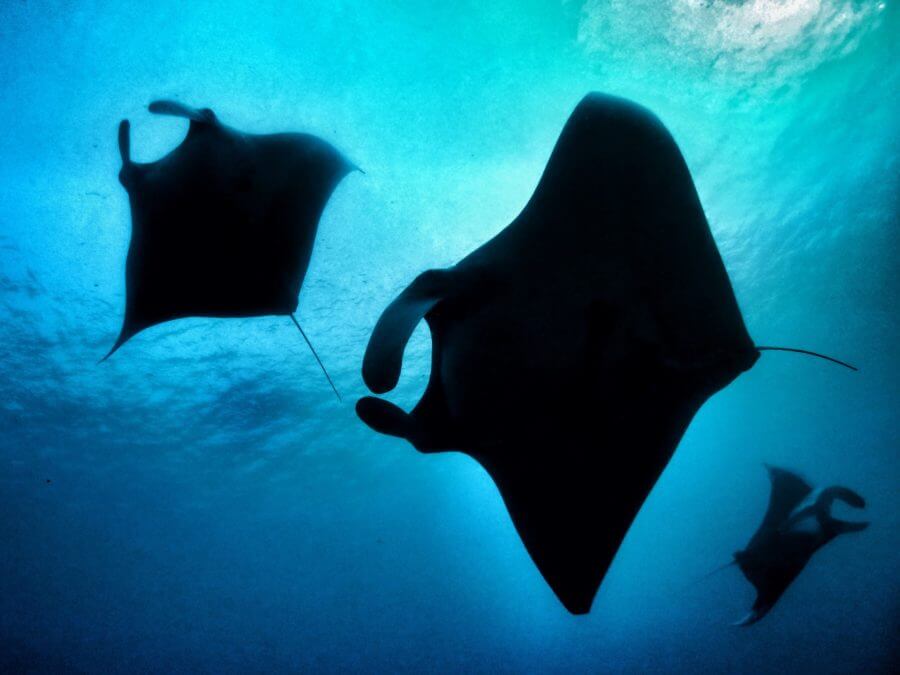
<point>224,225</point>
<point>798,522</point>
<point>571,351</point>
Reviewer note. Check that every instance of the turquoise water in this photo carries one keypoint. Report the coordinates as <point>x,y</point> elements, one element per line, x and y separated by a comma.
<point>213,508</point>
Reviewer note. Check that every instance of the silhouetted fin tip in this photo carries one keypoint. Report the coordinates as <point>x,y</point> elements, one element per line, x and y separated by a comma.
<point>579,608</point>
<point>750,618</point>
<point>112,351</point>
<point>353,166</point>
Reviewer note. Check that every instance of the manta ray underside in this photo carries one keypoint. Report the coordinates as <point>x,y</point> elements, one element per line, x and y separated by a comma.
<point>570,352</point>
<point>798,522</point>
<point>224,225</point>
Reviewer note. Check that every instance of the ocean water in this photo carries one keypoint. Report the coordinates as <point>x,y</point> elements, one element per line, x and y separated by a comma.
<point>201,502</point>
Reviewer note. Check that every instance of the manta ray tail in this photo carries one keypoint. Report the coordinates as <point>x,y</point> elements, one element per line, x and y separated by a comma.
<point>808,353</point>
<point>709,574</point>
<point>718,569</point>
<point>313,350</point>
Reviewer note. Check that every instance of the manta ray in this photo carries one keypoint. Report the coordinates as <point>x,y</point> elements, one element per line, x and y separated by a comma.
<point>798,522</point>
<point>224,225</point>
<point>571,351</point>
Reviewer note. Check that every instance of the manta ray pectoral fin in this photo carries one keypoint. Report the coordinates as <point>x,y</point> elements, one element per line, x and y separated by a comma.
<point>384,353</point>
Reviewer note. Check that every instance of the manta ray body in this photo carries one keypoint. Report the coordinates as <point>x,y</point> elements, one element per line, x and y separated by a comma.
<point>224,225</point>
<point>798,522</point>
<point>571,351</point>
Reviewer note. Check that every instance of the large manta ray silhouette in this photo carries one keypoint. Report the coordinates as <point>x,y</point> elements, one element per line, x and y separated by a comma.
<point>798,522</point>
<point>570,352</point>
<point>224,225</point>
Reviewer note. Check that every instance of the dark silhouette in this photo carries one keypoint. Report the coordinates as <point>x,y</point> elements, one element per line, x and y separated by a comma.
<point>224,225</point>
<point>798,522</point>
<point>570,352</point>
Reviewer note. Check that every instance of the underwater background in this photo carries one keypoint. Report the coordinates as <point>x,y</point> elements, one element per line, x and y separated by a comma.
<point>201,502</point>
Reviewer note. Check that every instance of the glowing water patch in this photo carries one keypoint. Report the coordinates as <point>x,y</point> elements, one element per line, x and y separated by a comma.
<point>768,41</point>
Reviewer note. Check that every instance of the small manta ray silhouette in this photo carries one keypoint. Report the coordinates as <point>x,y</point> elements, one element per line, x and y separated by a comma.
<point>224,225</point>
<point>571,351</point>
<point>798,522</point>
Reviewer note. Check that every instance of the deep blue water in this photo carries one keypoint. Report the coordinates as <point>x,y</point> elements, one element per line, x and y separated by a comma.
<point>213,508</point>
